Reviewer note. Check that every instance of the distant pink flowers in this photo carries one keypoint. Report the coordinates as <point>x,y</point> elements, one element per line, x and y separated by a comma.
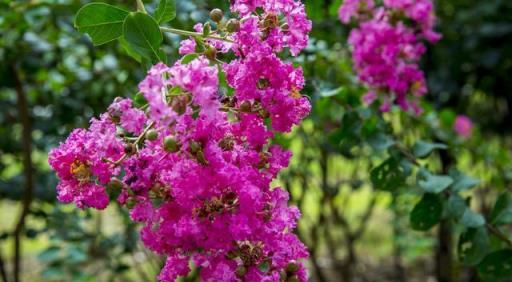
<point>387,47</point>
<point>463,126</point>
<point>194,165</point>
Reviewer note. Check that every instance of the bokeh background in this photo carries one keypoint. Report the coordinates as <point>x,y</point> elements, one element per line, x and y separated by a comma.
<point>53,80</point>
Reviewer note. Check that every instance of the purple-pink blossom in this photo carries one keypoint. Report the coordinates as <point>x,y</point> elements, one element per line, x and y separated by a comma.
<point>195,166</point>
<point>463,126</point>
<point>386,49</point>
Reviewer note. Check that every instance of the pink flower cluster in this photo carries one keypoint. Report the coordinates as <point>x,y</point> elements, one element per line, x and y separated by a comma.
<point>195,165</point>
<point>387,47</point>
<point>463,126</point>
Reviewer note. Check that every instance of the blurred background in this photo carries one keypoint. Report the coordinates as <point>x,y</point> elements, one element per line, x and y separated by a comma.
<point>53,80</point>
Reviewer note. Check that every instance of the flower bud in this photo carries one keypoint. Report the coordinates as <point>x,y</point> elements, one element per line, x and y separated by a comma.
<point>293,279</point>
<point>194,147</point>
<point>201,159</point>
<point>131,202</point>
<point>245,107</point>
<point>216,15</point>
<point>207,29</point>
<point>152,135</point>
<point>241,271</point>
<point>292,268</point>
<point>210,53</point>
<point>233,25</point>
<point>115,184</point>
<point>171,145</point>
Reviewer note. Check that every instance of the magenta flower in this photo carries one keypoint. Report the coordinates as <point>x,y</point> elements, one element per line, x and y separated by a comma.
<point>195,166</point>
<point>386,50</point>
<point>463,126</point>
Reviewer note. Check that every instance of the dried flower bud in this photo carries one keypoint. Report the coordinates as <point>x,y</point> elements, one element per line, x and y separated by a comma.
<point>246,107</point>
<point>233,25</point>
<point>216,15</point>
<point>210,53</point>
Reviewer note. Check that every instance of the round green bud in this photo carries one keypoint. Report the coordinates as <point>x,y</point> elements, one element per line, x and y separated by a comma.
<point>194,147</point>
<point>152,134</point>
<point>171,145</point>
<point>216,15</point>
<point>241,271</point>
<point>292,268</point>
<point>131,202</point>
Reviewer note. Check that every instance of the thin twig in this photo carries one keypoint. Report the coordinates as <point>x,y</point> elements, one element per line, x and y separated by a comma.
<point>24,116</point>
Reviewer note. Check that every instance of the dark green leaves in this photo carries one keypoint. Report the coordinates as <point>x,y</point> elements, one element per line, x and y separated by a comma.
<point>462,182</point>
<point>427,212</point>
<point>143,35</point>
<point>423,149</point>
<point>473,246</point>
<point>166,11</point>
<point>497,265</point>
<point>459,211</point>
<point>433,183</point>
<point>388,176</point>
<point>101,21</point>
<point>502,211</point>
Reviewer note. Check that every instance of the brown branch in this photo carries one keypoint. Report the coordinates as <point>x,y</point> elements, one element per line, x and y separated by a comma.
<point>3,272</point>
<point>24,116</point>
<point>499,234</point>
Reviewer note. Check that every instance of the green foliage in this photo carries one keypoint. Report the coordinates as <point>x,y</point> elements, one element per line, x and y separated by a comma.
<point>166,11</point>
<point>497,265</point>
<point>101,21</point>
<point>143,35</point>
<point>427,212</point>
<point>502,211</point>
<point>423,149</point>
<point>433,183</point>
<point>473,245</point>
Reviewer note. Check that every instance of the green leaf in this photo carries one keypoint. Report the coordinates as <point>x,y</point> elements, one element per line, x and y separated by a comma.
<point>264,267</point>
<point>380,142</point>
<point>189,58</point>
<point>132,53</point>
<point>143,35</point>
<point>433,183</point>
<point>423,149</point>
<point>473,246</point>
<point>51,254</point>
<point>427,212</point>
<point>496,265</point>
<point>166,11</point>
<point>139,100</point>
<point>502,212</point>
<point>456,207</point>
<point>334,92</point>
<point>462,182</point>
<point>388,176</point>
<point>102,22</point>
<point>472,219</point>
